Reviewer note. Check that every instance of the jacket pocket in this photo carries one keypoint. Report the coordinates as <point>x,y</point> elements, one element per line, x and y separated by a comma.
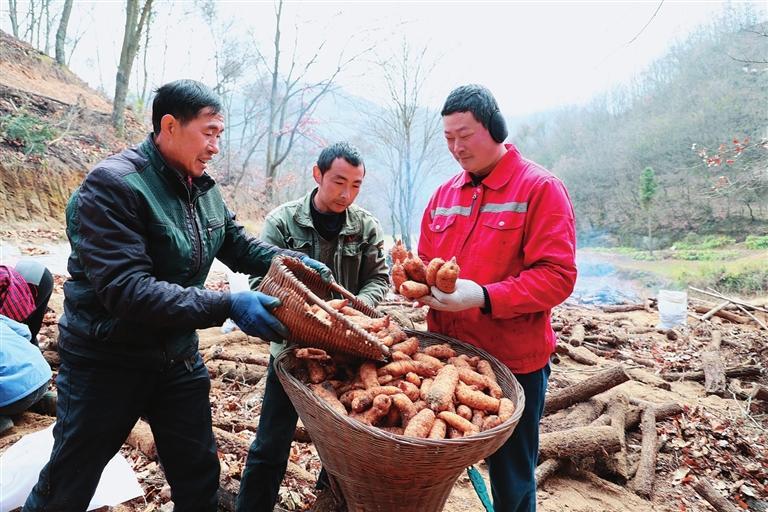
<point>504,232</point>
<point>214,236</point>
<point>441,223</point>
<point>300,245</point>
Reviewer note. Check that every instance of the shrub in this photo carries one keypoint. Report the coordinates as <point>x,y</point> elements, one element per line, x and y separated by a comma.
<point>27,131</point>
<point>757,242</point>
<point>693,241</point>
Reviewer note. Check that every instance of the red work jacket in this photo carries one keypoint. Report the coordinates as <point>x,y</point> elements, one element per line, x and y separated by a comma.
<point>513,234</point>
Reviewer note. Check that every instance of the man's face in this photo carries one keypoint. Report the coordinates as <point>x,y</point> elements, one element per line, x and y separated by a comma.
<point>190,146</point>
<point>338,187</point>
<point>470,143</point>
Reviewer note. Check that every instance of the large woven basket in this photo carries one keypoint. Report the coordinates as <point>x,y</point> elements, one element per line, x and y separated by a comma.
<point>379,471</point>
<point>296,285</point>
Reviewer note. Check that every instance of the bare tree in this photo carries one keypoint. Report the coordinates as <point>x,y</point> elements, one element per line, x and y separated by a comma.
<point>292,100</point>
<point>12,13</point>
<point>409,136</point>
<point>135,19</point>
<point>61,33</point>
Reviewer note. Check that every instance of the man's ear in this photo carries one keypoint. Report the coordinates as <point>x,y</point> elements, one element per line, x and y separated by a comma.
<point>168,125</point>
<point>317,175</point>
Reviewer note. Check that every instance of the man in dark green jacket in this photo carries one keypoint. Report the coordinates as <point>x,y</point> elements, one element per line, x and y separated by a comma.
<point>144,228</point>
<point>325,225</point>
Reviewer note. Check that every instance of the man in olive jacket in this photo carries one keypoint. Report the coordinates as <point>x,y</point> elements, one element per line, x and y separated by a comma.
<point>325,225</point>
<point>144,228</point>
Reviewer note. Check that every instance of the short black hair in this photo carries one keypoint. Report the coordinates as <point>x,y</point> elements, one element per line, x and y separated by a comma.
<point>343,150</point>
<point>183,99</point>
<point>473,98</point>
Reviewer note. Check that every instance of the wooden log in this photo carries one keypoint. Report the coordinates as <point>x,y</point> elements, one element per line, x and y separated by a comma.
<point>617,411</point>
<point>647,377</point>
<point>732,372</point>
<point>727,315</point>
<point>753,317</point>
<point>623,308</point>
<point>241,372</point>
<point>714,370</point>
<point>257,359</point>
<point>662,411</point>
<point>759,392</point>
<point>557,326</point>
<point>52,357</point>
<point>585,389</point>
<point>142,439</point>
<point>713,497</point>
<point>578,354</point>
<point>579,442</point>
<point>234,337</point>
<point>234,426</point>
<point>577,335</point>
<point>714,310</point>
<point>603,338</point>
<point>731,299</point>
<point>642,483</point>
<point>617,354</point>
<point>548,468</point>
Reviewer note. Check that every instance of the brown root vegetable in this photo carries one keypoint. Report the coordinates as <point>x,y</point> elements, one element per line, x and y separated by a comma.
<point>432,362</point>
<point>432,268</point>
<point>476,399</point>
<point>410,390</point>
<point>410,346</point>
<point>317,354</point>
<point>491,422</point>
<point>474,378</point>
<point>378,410</point>
<point>464,411</point>
<point>326,393</point>
<point>338,304</point>
<point>477,418</point>
<point>415,269</point>
<point>506,409</point>
<point>485,368</point>
<point>447,276</point>
<point>442,351</point>
<point>421,424</point>
<point>400,368</point>
<point>368,375</point>
<point>393,430</point>
<point>316,371</point>
<point>440,395</point>
<point>413,290</point>
<point>413,379</point>
<point>406,407</point>
<point>459,362</point>
<point>399,252</point>
<point>457,422</point>
<point>424,388</point>
<point>398,276</point>
<point>400,356</point>
<point>362,401</point>
<point>454,433</point>
<point>393,418</point>
<point>438,430</point>
<point>385,379</point>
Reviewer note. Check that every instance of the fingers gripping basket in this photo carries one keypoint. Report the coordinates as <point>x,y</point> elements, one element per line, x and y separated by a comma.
<point>298,286</point>
<point>379,471</point>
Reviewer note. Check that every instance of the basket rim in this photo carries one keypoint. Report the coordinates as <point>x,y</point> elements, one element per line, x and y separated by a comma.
<point>417,442</point>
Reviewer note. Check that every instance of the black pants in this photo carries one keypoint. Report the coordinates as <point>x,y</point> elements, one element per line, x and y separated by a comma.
<point>512,468</point>
<point>268,454</point>
<point>98,405</point>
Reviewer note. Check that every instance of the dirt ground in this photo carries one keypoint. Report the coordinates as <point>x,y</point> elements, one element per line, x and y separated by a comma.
<point>721,439</point>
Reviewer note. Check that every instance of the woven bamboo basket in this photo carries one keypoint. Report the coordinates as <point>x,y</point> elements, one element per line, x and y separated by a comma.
<point>296,285</point>
<point>380,471</point>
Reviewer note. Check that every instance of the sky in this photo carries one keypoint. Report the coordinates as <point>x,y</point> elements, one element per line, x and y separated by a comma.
<point>534,56</point>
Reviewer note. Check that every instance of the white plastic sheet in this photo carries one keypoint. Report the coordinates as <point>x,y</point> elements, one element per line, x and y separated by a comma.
<point>20,467</point>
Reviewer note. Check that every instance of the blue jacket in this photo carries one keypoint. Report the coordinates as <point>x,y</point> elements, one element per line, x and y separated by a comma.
<point>22,367</point>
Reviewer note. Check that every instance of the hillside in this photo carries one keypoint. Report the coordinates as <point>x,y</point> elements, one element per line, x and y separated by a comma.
<point>53,127</point>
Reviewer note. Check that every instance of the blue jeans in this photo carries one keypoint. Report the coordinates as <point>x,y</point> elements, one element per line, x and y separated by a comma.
<point>512,468</point>
<point>268,455</point>
<point>98,405</point>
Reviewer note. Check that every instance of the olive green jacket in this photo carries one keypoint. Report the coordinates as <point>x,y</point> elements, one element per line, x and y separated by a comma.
<point>356,257</point>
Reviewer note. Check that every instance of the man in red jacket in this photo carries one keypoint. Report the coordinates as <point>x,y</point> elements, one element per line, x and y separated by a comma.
<point>510,224</point>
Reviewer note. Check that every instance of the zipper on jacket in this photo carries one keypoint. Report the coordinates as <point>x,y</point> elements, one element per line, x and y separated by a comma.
<point>198,242</point>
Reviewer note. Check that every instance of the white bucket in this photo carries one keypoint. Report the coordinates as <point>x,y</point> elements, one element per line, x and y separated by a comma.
<point>673,308</point>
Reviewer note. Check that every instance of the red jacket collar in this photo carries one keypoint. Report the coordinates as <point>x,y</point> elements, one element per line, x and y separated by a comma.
<point>500,174</point>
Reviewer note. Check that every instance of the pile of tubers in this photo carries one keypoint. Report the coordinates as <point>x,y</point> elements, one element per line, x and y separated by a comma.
<point>430,392</point>
<point>412,279</point>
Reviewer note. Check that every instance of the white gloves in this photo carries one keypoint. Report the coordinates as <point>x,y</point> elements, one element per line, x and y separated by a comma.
<point>468,294</point>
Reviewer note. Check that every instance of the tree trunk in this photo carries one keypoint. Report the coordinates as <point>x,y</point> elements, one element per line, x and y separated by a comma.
<point>577,335</point>
<point>712,362</point>
<point>14,18</point>
<point>642,484</point>
<point>579,442</point>
<point>61,33</point>
<point>733,372</point>
<point>240,372</point>
<point>585,389</point>
<point>731,317</point>
<point>134,24</point>
<point>713,497</point>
